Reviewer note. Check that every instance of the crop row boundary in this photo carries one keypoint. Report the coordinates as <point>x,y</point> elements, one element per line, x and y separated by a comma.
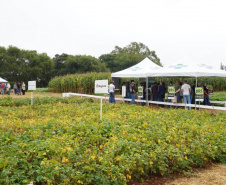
<point>152,102</point>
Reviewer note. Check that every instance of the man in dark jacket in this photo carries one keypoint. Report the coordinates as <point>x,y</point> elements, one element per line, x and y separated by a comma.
<point>161,93</point>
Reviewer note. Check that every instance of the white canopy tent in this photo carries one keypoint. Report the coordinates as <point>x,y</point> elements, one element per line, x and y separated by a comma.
<point>139,70</point>
<point>2,80</point>
<point>189,69</point>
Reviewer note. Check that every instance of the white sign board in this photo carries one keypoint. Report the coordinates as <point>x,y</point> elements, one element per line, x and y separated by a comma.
<point>123,91</point>
<point>101,86</point>
<point>32,85</point>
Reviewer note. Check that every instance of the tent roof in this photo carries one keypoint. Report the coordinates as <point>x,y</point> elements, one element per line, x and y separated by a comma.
<point>139,70</point>
<point>189,69</point>
<point>2,80</point>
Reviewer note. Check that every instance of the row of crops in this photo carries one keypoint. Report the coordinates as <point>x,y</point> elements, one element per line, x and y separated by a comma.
<point>84,83</point>
<point>63,141</point>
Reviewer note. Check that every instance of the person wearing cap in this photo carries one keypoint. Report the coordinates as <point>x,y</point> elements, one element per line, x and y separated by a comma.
<point>112,92</point>
<point>132,91</point>
<point>206,95</point>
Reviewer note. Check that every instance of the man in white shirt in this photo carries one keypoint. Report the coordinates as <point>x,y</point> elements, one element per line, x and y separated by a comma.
<point>112,92</point>
<point>186,90</point>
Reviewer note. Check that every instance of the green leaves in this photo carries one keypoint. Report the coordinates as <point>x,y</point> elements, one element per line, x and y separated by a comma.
<point>62,141</point>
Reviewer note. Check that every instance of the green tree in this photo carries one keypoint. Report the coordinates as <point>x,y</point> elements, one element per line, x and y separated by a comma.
<point>24,65</point>
<point>83,64</point>
<point>139,49</point>
<point>122,58</point>
<point>59,64</point>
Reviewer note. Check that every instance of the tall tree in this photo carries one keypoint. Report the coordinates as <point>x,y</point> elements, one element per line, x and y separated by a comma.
<point>83,64</point>
<point>121,58</point>
<point>139,49</point>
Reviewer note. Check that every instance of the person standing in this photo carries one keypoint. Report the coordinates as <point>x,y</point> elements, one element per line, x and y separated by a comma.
<point>8,86</point>
<point>186,90</point>
<point>161,93</point>
<point>15,88</point>
<point>128,90</point>
<point>23,88</point>
<point>112,92</point>
<point>2,88</point>
<point>18,88</point>
<point>206,95</point>
<point>132,91</point>
<point>177,91</point>
<point>181,94</point>
<point>154,90</point>
<point>5,86</point>
<point>193,93</point>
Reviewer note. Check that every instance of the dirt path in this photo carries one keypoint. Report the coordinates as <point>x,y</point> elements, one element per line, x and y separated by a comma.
<point>213,175</point>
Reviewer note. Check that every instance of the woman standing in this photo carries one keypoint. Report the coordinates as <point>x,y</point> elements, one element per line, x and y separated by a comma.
<point>23,88</point>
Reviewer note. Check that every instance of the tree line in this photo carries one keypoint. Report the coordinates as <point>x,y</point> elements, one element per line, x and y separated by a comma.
<point>25,65</point>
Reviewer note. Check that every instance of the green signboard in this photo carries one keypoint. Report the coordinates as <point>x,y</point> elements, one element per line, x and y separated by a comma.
<point>199,94</point>
<point>140,91</point>
<point>171,92</point>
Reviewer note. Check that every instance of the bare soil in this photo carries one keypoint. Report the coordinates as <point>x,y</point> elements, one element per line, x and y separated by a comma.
<point>212,175</point>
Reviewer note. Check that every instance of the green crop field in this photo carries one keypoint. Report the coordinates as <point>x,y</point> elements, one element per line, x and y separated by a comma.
<point>218,96</point>
<point>63,141</point>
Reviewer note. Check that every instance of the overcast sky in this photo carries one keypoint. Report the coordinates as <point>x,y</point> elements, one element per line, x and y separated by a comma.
<point>175,29</point>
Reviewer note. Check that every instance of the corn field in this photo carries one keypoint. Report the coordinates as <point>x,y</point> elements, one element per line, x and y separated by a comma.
<point>79,83</point>
<point>84,83</point>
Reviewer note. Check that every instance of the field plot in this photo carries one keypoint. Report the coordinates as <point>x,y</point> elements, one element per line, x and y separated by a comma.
<point>62,141</point>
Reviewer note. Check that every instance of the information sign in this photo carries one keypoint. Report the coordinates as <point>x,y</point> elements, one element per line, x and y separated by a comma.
<point>199,94</point>
<point>140,92</point>
<point>32,85</point>
<point>171,92</point>
<point>101,86</point>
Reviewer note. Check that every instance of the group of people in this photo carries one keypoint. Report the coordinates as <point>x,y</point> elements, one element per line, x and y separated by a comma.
<point>184,93</point>
<point>5,88</point>
<point>18,88</point>
<point>130,91</point>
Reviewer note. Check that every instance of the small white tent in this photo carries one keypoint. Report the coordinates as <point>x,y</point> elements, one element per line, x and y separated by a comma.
<point>2,80</point>
<point>139,70</point>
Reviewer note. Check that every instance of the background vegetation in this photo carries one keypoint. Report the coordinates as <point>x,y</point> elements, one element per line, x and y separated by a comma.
<point>24,65</point>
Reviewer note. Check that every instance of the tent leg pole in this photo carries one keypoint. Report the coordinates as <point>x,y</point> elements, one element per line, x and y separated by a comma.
<point>196,83</point>
<point>147,91</point>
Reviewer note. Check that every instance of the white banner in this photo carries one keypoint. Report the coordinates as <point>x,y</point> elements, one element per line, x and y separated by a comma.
<point>32,85</point>
<point>101,86</point>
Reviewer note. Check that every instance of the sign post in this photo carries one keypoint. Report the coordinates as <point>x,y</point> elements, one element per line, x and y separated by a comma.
<point>32,87</point>
<point>101,87</point>
<point>199,95</point>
